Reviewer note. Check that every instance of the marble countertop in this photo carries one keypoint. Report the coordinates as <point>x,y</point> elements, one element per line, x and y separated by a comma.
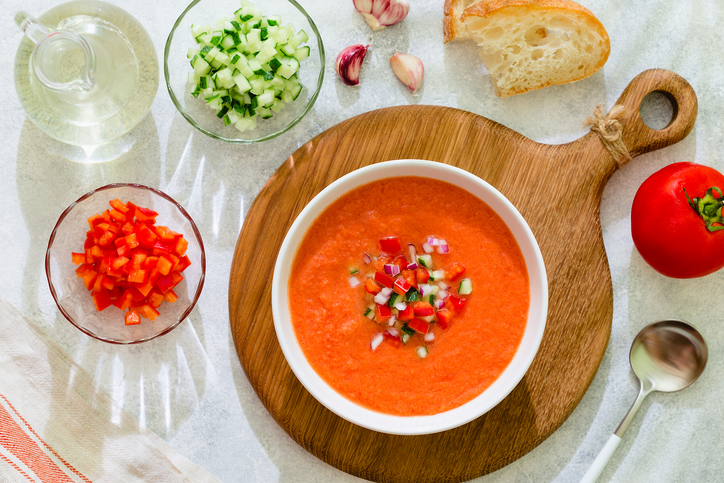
<point>189,387</point>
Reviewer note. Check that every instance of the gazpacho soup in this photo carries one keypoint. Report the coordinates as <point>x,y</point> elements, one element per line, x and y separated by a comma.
<point>409,296</point>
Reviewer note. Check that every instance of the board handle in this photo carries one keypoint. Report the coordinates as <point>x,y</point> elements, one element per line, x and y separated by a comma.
<point>636,135</point>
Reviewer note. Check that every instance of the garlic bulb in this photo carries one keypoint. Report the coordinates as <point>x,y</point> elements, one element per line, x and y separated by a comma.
<point>408,69</point>
<point>382,13</point>
<point>349,63</point>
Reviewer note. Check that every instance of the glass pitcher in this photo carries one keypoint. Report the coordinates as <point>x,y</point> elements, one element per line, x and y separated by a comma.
<point>87,80</point>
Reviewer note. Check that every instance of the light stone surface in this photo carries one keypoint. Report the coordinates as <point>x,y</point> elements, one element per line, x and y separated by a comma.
<point>189,387</point>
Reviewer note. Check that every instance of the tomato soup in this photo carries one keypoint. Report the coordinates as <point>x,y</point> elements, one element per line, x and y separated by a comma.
<point>327,312</point>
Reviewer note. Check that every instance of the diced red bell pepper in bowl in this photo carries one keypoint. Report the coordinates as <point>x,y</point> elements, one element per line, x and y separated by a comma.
<point>130,262</point>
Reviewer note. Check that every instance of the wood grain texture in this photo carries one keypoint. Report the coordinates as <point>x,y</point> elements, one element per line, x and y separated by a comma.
<point>557,189</point>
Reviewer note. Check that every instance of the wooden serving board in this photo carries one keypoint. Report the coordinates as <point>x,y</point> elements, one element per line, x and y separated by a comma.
<point>557,189</point>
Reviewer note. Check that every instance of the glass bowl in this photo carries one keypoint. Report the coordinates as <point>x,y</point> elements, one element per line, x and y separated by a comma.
<point>411,425</point>
<point>177,68</point>
<point>69,292</point>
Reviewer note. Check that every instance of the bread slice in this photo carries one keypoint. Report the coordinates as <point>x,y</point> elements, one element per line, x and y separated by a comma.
<point>530,44</point>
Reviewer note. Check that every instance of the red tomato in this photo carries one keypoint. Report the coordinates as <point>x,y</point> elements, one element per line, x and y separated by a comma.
<point>668,233</point>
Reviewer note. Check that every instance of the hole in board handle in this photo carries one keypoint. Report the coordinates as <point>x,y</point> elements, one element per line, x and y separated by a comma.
<point>658,110</point>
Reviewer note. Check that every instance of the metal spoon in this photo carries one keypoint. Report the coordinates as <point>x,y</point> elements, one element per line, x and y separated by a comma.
<point>666,356</point>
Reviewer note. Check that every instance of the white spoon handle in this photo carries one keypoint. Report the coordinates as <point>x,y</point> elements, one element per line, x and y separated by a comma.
<point>600,462</point>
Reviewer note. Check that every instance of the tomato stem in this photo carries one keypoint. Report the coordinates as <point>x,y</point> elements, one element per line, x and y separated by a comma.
<point>709,208</point>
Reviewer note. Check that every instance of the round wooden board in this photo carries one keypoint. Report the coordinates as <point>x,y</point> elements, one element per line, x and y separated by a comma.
<point>558,191</point>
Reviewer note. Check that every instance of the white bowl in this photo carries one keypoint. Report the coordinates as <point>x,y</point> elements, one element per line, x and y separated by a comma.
<point>412,425</point>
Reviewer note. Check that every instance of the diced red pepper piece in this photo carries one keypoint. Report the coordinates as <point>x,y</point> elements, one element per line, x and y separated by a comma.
<point>455,303</point>
<point>423,309</point>
<point>146,236</point>
<point>401,286</point>
<point>78,258</point>
<point>96,252</point>
<point>137,294</point>
<point>407,314</point>
<point>166,283</point>
<point>138,276</point>
<point>372,287</point>
<point>145,214</point>
<point>118,262</point>
<point>183,263</point>
<point>125,300</point>
<point>144,288</point>
<point>170,296</point>
<point>379,264</point>
<point>165,233</point>
<point>107,238</point>
<point>122,249</point>
<point>132,241</point>
<point>94,220</point>
<point>454,271</point>
<point>401,262</point>
<point>382,313</point>
<point>154,275</point>
<point>409,276</point>
<point>132,318</point>
<point>127,228</point>
<point>162,247</point>
<point>155,298</point>
<point>384,279</point>
<point>147,311</point>
<point>443,318</point>
<point>102,300</point>
<point>139,256</point>
<point>118,216</point>
<point>118,206</point>
<point>395,341</point>
<point>419,325</point>
<point>98,285</point>
<point>390,244</point>
<point>150,262</point>
<point>422,275</point>
<point>181,245</point>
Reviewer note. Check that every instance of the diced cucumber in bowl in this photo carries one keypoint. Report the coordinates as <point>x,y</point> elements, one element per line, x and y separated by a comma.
<point>246,67</point>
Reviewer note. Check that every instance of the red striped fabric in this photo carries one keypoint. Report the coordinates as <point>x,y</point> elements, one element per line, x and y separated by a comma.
<point>19,439</point>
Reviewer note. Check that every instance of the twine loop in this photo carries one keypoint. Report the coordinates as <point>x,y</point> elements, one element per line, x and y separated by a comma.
<point>610,131</point>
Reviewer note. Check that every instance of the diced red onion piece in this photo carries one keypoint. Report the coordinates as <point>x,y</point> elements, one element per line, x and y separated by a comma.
<point>432,241</point>
<point>377,340</point>
<point>438,303</point>
<point>425,289</point>
<point>429,337</point>
<point>353,282</point>
<point>443,286</point>
<point>413,251</point>
<point>367,258</point>
<point>443,248</point>
<point>412,266</point>
<point>427,248</point>
<point>392,320</point>
<point>442,294</point>
<point>383,296</point>
<point>392,269</point>
<point>400,306</point>
<point>393,332</point>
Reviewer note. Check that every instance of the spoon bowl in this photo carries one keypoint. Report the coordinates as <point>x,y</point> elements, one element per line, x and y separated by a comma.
<point>665,356</point>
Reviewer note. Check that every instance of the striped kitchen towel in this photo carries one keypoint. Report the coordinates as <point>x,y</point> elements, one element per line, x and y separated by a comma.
<point>55,427</point>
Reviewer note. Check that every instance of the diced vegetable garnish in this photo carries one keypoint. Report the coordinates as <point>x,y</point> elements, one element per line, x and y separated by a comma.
<point>130,262</point>
<point>409,295</point>
<point>246,67</point>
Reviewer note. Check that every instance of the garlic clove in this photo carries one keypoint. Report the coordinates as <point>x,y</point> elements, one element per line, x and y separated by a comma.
<point>382,13</point>
<point>349,63</point>
<point>408,69</point>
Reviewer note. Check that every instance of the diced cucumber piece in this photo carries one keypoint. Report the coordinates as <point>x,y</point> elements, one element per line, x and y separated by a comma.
<point>242,84</point>
<point>466,286</point>
<point>201,67</point>
<point>301,53</point>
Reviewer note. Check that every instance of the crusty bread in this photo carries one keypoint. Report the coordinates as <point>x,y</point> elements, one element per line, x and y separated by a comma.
<point>530,44</point>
